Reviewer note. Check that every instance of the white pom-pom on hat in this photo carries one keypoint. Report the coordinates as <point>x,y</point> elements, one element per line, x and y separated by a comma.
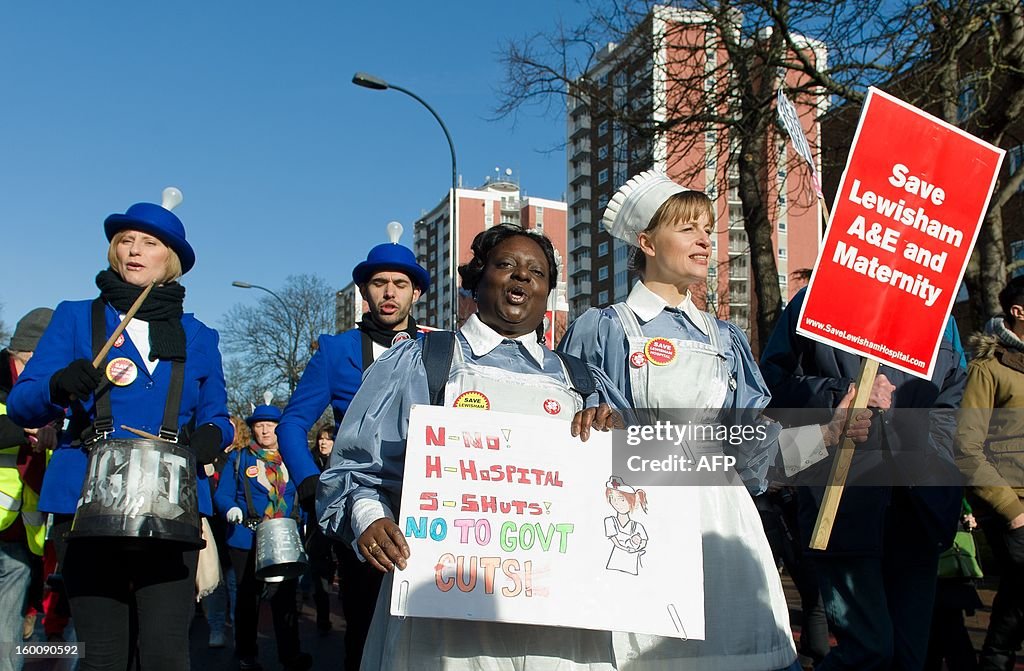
<point>633,206</point>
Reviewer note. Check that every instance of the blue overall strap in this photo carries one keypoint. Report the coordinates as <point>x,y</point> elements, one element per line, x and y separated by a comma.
<point>438,348</point>
<point>580,377</point>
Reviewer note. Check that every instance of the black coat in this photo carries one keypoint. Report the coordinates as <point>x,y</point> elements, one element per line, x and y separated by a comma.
<point>804,374</point>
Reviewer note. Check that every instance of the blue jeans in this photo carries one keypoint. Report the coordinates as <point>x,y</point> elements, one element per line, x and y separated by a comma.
<point>215,608</point>
<point>220,602</point>
<point>879,608</point>
<point>15,576</point>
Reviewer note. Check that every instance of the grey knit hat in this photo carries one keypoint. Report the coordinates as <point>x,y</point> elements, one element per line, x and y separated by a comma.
<point>30,329</point>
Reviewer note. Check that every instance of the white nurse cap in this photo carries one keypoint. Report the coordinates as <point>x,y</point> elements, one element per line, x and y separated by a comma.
<point>633,206</point>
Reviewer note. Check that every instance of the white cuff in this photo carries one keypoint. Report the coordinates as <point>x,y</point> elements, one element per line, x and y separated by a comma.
<point>801,448</point>
<point>364,513</point>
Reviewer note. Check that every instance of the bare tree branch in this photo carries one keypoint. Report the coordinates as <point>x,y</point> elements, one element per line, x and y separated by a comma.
<point>929,52</point>
<point>268,344</point>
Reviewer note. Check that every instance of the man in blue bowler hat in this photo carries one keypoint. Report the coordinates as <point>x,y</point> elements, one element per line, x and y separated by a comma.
<point>390,281</point>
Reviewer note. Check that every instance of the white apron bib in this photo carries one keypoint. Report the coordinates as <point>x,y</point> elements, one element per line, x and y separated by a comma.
<point>668,374</point>
<point>470,384</point>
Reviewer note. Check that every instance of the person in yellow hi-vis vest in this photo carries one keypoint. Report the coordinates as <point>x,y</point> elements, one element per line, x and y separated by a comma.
<point>23,454</point>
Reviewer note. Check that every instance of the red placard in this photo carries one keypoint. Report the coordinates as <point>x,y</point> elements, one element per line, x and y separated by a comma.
<point>905,219</point>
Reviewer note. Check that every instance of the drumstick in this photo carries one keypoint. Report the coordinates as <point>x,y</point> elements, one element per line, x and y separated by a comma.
<point>120,327</point>
<point>141,433</point>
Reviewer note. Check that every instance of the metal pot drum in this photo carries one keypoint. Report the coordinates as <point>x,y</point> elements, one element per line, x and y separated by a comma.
<point>139,490</point>
<point>279,551</point>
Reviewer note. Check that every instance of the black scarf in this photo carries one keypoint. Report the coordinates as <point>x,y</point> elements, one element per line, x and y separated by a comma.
<point>381,335</point>
<point>162,309</point>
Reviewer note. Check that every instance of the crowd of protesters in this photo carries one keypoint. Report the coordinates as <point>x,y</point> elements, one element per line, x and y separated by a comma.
<point>119,404</point>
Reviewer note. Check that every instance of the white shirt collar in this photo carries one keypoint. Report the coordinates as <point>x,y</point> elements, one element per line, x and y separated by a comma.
<point>483,339</point>
<point>647,305</point>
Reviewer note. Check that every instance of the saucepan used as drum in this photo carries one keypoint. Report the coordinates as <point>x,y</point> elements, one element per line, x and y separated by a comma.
<point>279,551</point>
<point>139,489</point>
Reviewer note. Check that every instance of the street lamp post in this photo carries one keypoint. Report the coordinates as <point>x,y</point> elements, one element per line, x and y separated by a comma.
<point>293,356</point>
<point>377,84</point>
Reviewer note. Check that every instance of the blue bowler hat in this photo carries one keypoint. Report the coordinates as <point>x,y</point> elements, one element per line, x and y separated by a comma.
<point>392,256</point>
<point>158,221</point>
<point>264,413</point>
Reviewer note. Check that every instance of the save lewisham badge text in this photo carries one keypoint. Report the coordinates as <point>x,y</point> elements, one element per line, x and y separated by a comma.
<point>906,216</point>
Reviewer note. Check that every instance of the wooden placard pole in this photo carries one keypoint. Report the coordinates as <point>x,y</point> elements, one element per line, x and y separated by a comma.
<point>843,459</point>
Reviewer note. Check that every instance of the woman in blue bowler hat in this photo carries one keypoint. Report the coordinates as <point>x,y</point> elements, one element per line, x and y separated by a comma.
<point>255,486</point>
<point>131,598</point>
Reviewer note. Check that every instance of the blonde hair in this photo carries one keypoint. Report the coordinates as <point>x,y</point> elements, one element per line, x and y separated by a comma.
<point>685,206</point>
<point>242,435</point>
<point>172,269</point>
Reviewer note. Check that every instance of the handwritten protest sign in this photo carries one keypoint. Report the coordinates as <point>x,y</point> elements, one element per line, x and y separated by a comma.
<point>510,519</point>
<point>903,225</point>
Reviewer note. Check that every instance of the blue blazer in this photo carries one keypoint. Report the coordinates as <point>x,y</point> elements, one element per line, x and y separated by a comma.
<point>139,405</point>
<point>231,493</point>
<point>331,377</point>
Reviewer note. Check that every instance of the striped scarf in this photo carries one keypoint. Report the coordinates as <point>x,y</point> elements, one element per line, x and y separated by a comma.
<point>276,503</point>
<point>997,327</point>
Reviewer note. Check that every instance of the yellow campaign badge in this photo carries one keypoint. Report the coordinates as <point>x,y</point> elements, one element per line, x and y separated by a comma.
<point>472,399</point>
<point>122,371</point>
<point>660,351</point>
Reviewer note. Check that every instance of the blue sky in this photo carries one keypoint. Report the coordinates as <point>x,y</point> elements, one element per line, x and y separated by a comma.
<point>247,107</point>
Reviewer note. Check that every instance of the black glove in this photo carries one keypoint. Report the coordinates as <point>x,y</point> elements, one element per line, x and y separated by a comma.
<point>307,494</point>
<point>205,442</point>
<point>78,380</point>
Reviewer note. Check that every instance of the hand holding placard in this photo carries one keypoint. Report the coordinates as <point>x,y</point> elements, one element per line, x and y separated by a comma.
<point>905,220</point>
<point>383,546</point>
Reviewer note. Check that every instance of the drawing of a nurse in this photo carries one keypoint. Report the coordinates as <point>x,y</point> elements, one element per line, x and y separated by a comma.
<point>628,537</point>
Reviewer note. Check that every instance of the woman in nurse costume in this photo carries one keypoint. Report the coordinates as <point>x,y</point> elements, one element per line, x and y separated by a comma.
<point>497,355</point>
<point>675,361</point>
